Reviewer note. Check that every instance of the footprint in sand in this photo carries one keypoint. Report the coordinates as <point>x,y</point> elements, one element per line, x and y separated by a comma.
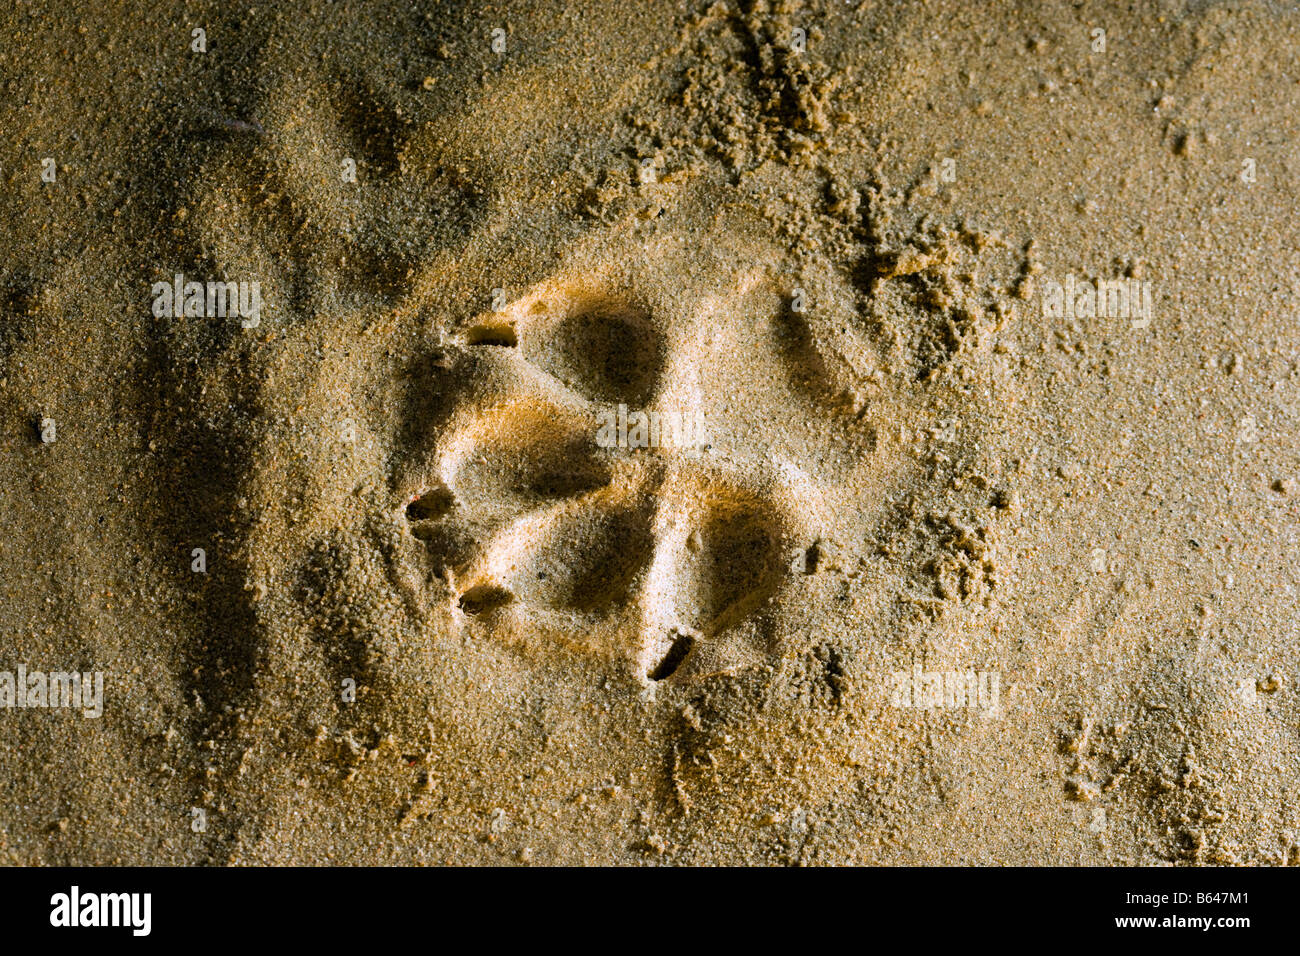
<point>663,557</point>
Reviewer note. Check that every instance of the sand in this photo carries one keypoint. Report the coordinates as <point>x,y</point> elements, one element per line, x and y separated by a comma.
<point>669,434</point>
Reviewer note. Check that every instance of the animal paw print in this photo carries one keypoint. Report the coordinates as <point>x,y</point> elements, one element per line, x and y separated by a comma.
<point>662,557</point>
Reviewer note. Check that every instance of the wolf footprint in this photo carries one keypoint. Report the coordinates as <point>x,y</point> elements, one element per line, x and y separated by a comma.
<point>640,555</point>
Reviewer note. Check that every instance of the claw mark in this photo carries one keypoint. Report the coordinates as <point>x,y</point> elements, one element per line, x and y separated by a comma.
<point>811,558</point>
<point>493,333</point>
<point>682,645</point>
<point>484,597</point>
<point>430,505</point>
